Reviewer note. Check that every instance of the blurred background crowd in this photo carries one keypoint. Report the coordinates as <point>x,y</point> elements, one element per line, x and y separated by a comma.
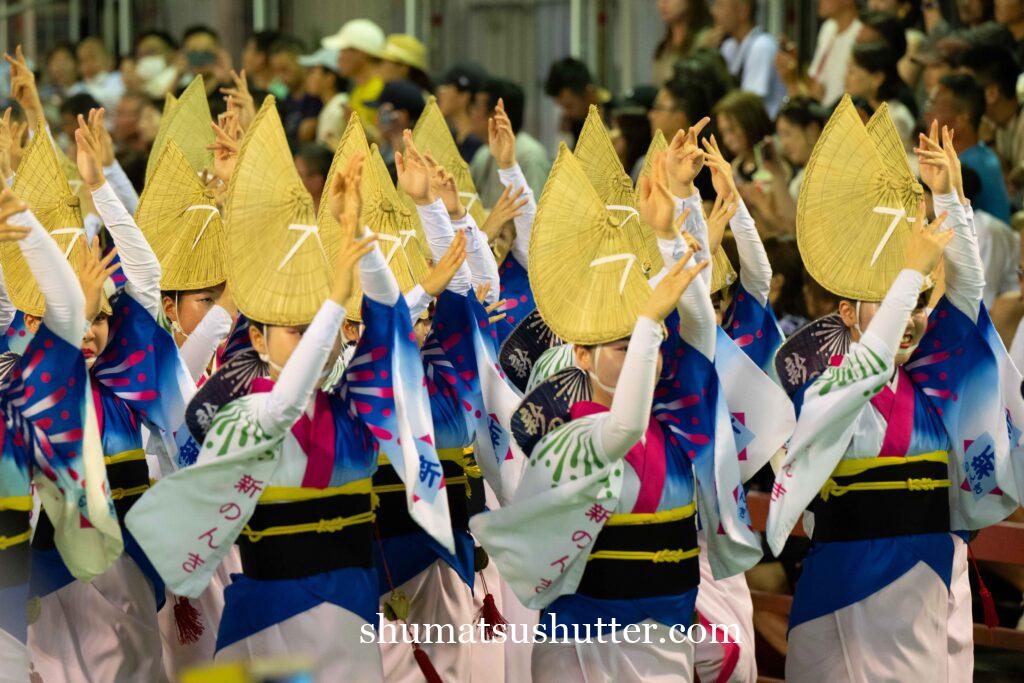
<point>767,73</point>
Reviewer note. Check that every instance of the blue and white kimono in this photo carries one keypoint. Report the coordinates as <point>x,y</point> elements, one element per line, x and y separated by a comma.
<point>48,439</point>
<point>292,462</point>
<point>890,460</point>
<point>605,480</point>
<point>138,379</point>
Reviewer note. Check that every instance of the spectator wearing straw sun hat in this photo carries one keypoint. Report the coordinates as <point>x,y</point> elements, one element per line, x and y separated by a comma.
<point>360,44</point>
<point>405,59</point>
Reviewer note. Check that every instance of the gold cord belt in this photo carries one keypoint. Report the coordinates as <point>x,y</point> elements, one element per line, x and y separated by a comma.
<point>323,526</point>
<point>664,555</point>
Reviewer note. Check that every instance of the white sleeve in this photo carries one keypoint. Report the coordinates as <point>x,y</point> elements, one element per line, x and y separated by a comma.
<point>479,257</point>
<point>755,270</point>
<point>377,280</point>
<point>630,413</point>
<point>698,229</point>
<point>890,321</point>
<point>418,301</point>
<point>697,320</point>
<point>140,265</point>
<point>65,302</point>
<point>7,310</point>
<point>199,347</point>
<point>439,231</point>
<point>122,187</point>
<point>515,178</point>
<point>278,411</point>
<point>759,66</point>
<point>831,406</point>
<point>965,274</point>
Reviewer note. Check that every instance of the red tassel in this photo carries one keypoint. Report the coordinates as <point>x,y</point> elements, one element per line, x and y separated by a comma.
<point>988,604</point>
<point>491,616</point>
<point>426,666</point>
<point>188,621</point>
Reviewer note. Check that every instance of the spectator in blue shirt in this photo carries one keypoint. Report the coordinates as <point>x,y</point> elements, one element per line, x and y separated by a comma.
<point>959,102</point>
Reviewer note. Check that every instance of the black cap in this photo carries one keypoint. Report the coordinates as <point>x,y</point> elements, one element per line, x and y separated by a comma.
<point>402,96</point>
<point>467,77</point>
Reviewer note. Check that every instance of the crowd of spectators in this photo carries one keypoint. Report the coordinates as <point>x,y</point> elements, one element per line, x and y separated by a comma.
<point>960,66</point>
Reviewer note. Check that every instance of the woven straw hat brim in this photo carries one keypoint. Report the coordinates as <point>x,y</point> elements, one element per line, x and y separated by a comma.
<point>182,224</point>
<point>187,122</point>
<point>433,135</point>
<point>388,216</point>
<point>278,257</point>
<point>882,131</point>
<point>584,274</point>
<point>596,154</point>
<point>384,213</point>
<point>42,185</point>
<point>851,194</point>
<point>722,272</point>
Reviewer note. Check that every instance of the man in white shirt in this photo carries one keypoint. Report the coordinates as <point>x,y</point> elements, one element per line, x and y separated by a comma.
<point>834,47</point>
<point>749,51</point>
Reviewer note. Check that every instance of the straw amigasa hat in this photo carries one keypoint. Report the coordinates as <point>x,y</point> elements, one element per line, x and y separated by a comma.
<point>279,260</point>
<point>855,207</point>
<point>722,272</point>
<point>384,212</point>
<point>187,122</point>
<point>180,220</point>
<point>41,183</point>
<point>585,275</point>
<point>433,135</point>
<point>597,156</point>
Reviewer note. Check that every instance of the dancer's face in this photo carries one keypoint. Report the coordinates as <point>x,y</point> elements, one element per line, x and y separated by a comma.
<point>95,339</point>
<point>603,364</point>
<point>858,321</point>
<point>278,344</point>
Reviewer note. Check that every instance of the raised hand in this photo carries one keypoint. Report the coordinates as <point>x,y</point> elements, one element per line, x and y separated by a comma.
<point>18,131</point>
<point>89,155</point>
<point>665,296</point>
<point>346,266</point>
<point>956,175</point>
<point>9,206</point>
<point>927,242</point>
<point>225,147</point>
<point>345,196</point>
<point>442,184</point>
<point>93,270</point>
<point>935,169</point>
<point>508,207</point>
<point>442,273</point>
<point>413,172</point>
<point>239,99</point>
<point>685,159</point>
<point>23,87</point>
<point>721,170</point>
<point>500,138</point>
<point>6,143</point>
<point>99,132</point>
<point>656,202</point>
<point>721,213</point>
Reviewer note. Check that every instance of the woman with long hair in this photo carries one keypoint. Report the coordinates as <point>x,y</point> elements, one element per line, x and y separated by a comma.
<point>687,24</point>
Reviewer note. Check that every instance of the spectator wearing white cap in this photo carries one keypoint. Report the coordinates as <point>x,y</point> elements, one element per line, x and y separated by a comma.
<point>360,44</point>
<point>405,59</point>
<point>324,83</point>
